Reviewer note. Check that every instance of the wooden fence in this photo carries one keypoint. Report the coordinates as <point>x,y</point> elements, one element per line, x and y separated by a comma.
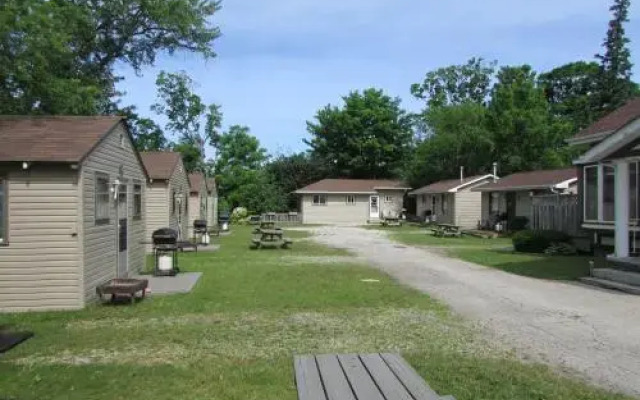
<point>556,212</point>
<point>291,218</point>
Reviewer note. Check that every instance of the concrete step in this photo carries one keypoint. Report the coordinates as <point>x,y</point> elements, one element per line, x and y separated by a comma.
<point>611,285</point>
<point>625,264</point>
<point>626,277</point>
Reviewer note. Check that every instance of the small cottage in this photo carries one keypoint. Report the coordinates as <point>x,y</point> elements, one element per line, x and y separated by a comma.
<point>510,198</point>
<point>351,201</point>
<point>197,200</point>
<point>212,202</point>
<point>72,191</point>
<point>167,201</point>
<point>452,201</point>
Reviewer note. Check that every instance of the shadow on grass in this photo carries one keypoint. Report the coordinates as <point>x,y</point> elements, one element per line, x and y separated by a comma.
<point>540,266</point>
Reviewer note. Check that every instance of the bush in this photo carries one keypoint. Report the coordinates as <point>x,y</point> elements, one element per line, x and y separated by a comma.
<point>239,214</point>
<point>561,249</point>
<point>518,224</point>
<point>537,241</point>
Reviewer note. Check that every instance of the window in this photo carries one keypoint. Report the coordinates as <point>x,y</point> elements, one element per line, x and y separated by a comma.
<point>319,200</point>
<point>424,199</point>
<point>102,194</point>
<point>494,202</point>
<point>3,211</point>
<point>608,193</point>
<point>388,199</point>
<point>591,193</point>
<point>633,191</point>
<point>433,203</point>
<point>443,203</point>
<point>351,200</point>
<point>137,200</point>
<point>173,202</point>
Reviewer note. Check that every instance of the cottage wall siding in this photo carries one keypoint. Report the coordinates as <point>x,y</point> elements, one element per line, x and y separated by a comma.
<point>157,209</point>
<point>336,211</point>
<point>468,209</point>
<point>179,183</point>
<point>100,241</point>
<point>39,268</point>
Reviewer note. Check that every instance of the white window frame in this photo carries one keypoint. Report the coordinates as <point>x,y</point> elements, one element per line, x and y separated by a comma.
<point>321,200</point>
<point>600,194</point>
<point>388,199</point>
<point>138,197</point>
<point>99,218</point>
<point>4,223</point>
<point>350,199</point>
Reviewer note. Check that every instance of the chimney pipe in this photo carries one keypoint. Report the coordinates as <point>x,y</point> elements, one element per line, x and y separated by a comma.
<point>495,171</point>
<point>461,174</point>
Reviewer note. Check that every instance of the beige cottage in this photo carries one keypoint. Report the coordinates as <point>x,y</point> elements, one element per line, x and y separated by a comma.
<point>511,197</point>
<point>71,209</point>
<point>167,202</point>
<point>452,201</point>
<point>197,199</point>
<point>351,201</point>
<point>212,202</point>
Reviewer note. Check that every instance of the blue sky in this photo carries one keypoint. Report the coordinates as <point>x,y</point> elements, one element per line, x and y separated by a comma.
<point>279,61</point>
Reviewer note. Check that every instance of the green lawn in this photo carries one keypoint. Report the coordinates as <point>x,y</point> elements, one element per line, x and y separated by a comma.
<point>420,236</point>
<point>533,265</point>
<point>233,337</point>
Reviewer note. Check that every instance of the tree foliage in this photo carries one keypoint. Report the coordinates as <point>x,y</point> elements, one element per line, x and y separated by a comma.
<point>190,120</point>
<point>368,137</point>
<point>456,84</point>
<point>571,90</point>
<point>614,84</point>
<point>58,56</point>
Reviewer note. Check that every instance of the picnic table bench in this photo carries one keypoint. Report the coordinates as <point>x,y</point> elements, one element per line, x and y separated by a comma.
<point>360,377</point>
<point>446,230</point>
<point>270,236</point>
<point>391,221</point>
<point>123,287</point>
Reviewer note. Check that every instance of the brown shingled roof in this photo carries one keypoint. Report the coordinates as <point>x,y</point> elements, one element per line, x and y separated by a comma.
<point>52,139</point>
<point>613,121</point>
<point>351,186</point>
<point>446,186</point>
<point>160,164</point>
<point>531,180</point>
<point>196,180</point>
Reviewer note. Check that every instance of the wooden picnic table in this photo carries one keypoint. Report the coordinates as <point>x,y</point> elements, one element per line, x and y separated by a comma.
<point>270,237</point>
<point>360,377</point>
<point>446,230</point>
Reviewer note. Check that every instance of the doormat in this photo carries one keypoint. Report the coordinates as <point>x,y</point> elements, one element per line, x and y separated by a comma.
<point>8,340</point>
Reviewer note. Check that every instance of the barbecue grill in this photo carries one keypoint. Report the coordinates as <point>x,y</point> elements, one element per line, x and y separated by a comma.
<point>165,244</point>
<point>200,228</point>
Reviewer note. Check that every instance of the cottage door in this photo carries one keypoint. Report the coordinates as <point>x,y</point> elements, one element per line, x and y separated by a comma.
<point>374,207</point>
<point>123,237</point>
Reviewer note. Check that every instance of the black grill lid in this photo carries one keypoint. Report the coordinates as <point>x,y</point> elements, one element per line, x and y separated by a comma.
<point>165,236</point>
<point>199,223</point>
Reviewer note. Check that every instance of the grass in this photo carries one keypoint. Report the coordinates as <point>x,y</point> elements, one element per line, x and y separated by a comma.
<point>495,253</point>
<point>532,265</point>
<point>233,337</point>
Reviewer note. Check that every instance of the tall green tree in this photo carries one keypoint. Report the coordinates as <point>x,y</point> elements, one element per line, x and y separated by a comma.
<point>572,92</point>
<point>367,137</point>
<point>459,138</point>
<point>58,56</point>
<point>525,133</point>
<point>291,172</point>
<point>456,84</point>
<point>240,175</point>
<point>190,120</point>
<point>615,85</point>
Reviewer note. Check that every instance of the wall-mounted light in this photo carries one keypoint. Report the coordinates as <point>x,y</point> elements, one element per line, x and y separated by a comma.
<point>25,165</point>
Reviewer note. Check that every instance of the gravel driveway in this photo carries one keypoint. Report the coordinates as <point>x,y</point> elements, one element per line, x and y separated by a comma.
<point>574,327</point>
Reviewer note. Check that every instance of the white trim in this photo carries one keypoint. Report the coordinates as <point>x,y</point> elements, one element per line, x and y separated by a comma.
<point>612,143</point>
<point>601,193</point>
<point>584,192</point>
<point>596,137</point>
<point>418,192</point>
<point>621,209</point>
<point>566,184</point>
<point>330,192</point>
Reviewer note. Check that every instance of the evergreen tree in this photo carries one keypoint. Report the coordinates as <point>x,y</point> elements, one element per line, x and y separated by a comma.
<point>615,85</point>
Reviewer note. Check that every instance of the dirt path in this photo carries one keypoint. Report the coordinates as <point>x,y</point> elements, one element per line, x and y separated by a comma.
<point>591,331</point>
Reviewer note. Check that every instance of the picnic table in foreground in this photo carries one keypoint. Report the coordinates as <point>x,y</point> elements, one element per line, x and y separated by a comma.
<point>445,230</point>
<point>268,235</point>
<point>378,376</point>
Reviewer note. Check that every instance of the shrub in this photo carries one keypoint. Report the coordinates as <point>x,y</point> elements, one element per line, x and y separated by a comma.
<point>537,241</point>
<point>561,249</point>
<point>238,215</point>
<point>518,224</point>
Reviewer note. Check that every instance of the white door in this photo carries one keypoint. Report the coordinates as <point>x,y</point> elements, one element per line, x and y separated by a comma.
<point>374,207</point>
<point>123,236</point>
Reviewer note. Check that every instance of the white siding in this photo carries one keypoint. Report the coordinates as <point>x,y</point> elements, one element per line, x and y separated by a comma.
<point>39,268</point>
<point>156,209</point>
<point>336,211</point>
<point>391,202</point>
<point>179,183</point>
<point>100,241</point>
<point>468,212</point>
